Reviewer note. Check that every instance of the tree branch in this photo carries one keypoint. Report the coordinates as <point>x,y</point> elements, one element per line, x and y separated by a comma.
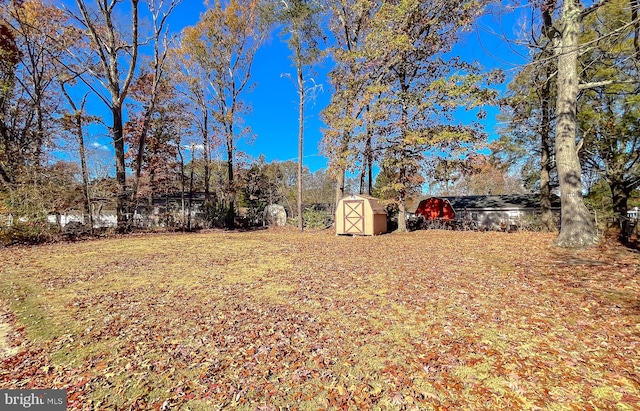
<point>603,83</point>
<point>584,13</point>
<point>134,54</point>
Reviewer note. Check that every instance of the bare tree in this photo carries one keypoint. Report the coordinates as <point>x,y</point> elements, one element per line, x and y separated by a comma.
<point>107,66</point>
<point>302,30</point>
<point>221,48</point>
<point>75,123</point>
<point>159,15</point>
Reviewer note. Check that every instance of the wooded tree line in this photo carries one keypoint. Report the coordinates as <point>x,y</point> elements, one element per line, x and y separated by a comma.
<point>177,103</point>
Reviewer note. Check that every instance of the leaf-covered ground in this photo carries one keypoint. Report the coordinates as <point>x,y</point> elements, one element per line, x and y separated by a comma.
<point>271,320</point>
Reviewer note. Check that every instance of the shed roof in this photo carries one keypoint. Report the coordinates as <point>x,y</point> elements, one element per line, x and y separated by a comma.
<point>500,202</point>
<point>373,202</point>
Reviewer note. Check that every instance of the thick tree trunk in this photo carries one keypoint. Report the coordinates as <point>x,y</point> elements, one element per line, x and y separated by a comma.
<point>402,172</point>
<point>340,177</point>
<point>402,222</point>
<point>577,227</point>
<point>342,172</point>
<point>620,196</point>
<point>37,157</point>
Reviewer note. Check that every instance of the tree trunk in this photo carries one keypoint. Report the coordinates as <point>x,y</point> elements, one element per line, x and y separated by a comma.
<point>342,172</point>
<point>635,7</point>
<point>85,173</point>
<point>141,148</point>
<point>369,157</point>
<point>301,91</point>
<point>154,187</point>
<point>577,227</point>
<point>108,47</point>
<point>545,189</point>
<point>182,178</point>
<point>402,172</point>
<point>402,222</point>
<point>545,155</point>
<point>37,157</point>
<point>118,144</point>
<point>362,175</point>
<point>6,180</point>
<point>231,210</point>
<point>190,188</point>
<point>82,153</point>
<point>207,156</point>
<point>340,177</point>
<point>620,196</point>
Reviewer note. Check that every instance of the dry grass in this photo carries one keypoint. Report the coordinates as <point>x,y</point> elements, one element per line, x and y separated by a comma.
<point>282,320</point>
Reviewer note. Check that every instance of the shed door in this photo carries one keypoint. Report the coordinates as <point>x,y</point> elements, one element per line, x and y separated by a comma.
<point>353,216</point>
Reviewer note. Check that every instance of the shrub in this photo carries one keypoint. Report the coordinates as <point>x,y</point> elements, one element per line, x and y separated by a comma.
<point>27,233</point>
<point>313,218</point>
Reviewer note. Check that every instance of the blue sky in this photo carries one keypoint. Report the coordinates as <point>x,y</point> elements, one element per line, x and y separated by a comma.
<point>274,100</point>
<point>274,117</point>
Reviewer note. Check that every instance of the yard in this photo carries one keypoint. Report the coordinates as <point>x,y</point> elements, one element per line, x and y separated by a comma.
<point>270,320</point>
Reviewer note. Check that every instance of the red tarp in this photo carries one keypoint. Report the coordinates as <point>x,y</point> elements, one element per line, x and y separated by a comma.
<point>434,208</point>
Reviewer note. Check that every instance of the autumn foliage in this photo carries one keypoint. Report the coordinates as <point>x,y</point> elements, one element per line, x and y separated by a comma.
<point>430,320</point>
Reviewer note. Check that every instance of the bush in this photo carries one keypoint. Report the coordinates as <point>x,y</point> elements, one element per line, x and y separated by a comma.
<point>215,213</point>
<point>317,219</point>
<point>533,222</point>
<point>27,233</point>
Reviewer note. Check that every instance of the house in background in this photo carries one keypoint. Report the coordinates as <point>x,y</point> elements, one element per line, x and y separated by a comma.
<point>499,212</point>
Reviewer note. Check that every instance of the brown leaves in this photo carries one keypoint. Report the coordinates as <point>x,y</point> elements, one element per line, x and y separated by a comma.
<point>427,320</point>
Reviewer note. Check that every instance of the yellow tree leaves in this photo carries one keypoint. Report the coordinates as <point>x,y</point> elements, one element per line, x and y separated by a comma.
<point>217,56</point>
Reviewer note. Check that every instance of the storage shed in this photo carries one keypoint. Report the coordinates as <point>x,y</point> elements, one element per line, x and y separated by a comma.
<point>436,208</point>
<point>360,215</point>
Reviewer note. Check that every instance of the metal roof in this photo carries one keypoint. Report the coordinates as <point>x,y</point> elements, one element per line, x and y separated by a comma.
<point>500,202</point>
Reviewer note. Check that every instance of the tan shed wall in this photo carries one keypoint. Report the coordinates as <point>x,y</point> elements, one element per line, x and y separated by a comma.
<point>379,224</point>
<point>339,219</point>
<point>368,219</point>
